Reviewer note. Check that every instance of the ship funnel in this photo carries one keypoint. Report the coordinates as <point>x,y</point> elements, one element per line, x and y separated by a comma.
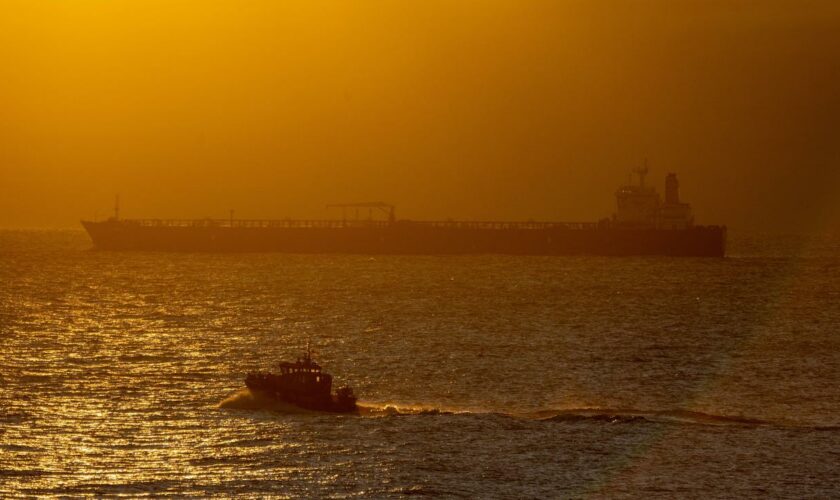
<point>672,189</point>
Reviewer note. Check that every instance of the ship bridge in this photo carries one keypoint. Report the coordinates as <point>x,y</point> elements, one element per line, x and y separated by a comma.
<point>640,206</point>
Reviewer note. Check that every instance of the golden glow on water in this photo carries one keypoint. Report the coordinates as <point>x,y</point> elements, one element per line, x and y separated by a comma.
<point>125,372</point>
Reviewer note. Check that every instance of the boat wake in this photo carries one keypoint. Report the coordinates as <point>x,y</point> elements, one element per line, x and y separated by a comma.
<point>584,414</point>
<point>374,410</point>
<point>631,416</point>
<point>244,399</point>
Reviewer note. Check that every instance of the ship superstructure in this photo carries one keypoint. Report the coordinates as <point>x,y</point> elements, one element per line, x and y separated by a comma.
<point>640,206</point>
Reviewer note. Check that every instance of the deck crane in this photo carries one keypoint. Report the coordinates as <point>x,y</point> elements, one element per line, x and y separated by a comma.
<point>388,209</point>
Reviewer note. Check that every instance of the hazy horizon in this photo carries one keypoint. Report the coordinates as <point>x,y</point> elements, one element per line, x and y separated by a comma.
<point>494,110</point>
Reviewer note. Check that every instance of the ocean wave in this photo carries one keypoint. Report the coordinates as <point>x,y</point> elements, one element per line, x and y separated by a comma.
<point>631,416</point>
<point>245,443</point>
<point>146,358</point>
<point>829,428</point>
<point>11,417</point>
<point>20,448</point>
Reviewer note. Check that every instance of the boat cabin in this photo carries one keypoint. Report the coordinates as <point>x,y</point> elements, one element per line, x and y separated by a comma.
<point>305,375</point>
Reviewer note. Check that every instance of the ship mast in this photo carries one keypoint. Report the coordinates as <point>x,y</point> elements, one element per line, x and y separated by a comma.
<point>642,172</point>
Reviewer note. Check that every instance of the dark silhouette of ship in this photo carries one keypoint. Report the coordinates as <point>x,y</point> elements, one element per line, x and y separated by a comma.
<point>304,385</point>
<point>643,224</point>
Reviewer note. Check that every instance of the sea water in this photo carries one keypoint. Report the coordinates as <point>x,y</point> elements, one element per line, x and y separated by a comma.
<point>478,376</point>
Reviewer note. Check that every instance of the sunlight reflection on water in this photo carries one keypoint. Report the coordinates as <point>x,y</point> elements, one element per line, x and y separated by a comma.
<point>484,375</point>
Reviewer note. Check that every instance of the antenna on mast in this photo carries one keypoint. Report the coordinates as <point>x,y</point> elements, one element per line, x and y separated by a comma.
<point>117,207</point>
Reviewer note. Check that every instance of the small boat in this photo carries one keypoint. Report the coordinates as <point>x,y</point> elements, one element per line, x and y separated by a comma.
<point>302,384</point>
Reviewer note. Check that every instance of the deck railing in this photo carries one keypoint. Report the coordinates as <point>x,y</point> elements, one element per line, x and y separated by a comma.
<point>339,224</point>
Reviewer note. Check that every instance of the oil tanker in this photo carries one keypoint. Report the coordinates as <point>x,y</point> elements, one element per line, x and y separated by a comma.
<point>643,224</point>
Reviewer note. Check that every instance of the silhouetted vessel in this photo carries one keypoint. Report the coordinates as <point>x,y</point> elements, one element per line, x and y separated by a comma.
<point>642,225</point>
<point>304,385</point>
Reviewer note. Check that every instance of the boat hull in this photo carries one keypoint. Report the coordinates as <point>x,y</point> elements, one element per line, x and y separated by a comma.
<point>325,403</point>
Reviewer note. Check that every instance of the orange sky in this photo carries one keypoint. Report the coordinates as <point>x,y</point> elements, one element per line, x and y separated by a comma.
<point>466,109</point>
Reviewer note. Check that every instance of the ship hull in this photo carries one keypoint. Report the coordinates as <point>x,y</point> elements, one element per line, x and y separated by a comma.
<point>412,238</point>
